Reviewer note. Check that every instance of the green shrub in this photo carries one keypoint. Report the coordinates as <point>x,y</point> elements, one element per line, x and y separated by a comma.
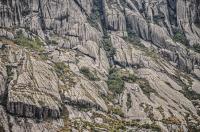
<point>129,77</point>
<point>34,44</point>
<point>118,111</point>
<point>96,13</point>
<point>117,78</point>
<point>115,82</point>
<point>65,75</point>
<point>52,42</point>
<point>10,73</point>
<point>132,37</point>
<point>107,45</point>
<point>196,47</point>
<point>191,95</point>
<point>43,56</point>
<point>116,85</point>
<point>155,127</point>
<point>152,126</point>
<point>181,38</point>
<point>146,88</point>
<point>85,71</point>
<point>147,126</point>
<point>60,68</point>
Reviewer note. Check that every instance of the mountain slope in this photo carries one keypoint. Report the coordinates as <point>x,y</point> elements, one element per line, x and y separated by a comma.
<point>99,65</point>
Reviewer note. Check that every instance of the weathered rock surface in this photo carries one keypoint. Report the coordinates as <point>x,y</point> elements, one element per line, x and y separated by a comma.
<point>58,76</point>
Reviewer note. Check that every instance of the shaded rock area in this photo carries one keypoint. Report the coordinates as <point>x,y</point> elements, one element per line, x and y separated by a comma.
<point>99,65</point>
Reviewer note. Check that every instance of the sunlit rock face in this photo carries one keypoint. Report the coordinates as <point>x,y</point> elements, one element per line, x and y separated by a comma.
<point>99,65</point>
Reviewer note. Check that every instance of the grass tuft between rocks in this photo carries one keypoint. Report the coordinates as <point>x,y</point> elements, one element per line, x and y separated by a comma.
<point>33,44</point>
<point>88,74</point>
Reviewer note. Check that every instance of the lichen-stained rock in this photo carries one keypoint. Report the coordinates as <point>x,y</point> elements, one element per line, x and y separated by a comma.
<point>33,90</point>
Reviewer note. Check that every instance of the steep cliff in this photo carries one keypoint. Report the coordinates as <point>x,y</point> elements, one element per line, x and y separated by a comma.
<point>99,65</point>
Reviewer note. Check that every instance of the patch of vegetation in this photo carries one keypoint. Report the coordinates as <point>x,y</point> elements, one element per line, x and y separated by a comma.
<point>111,124</point>
<point>10,73</point>
<point>96,10</point>
<point>64,74</point>
<point>96,13</point>
<point>115,82</point>
<point>52,42</point>
<point>60,68</point>
<point>151,53</point>
<point>33,44</point>
<point>132,37</point>
<point>196,48</point>
<point>148,109</point>
<point>146,88</point>
<point>43,56</point>
<point>172,120</point>
<point>152,126</point>
<point>128,77</point>
<point>108,47</point>
<point>117,78</point>
<point>190,94</point>
<point>161,110</point>
<point>181,38</point>
<point>129,101</point>
<point>159,18</point>
<point>86,71</point>
<point>187,91</point>
<point>192,126</point>
<point>117,111</point>
<point>84,108</point>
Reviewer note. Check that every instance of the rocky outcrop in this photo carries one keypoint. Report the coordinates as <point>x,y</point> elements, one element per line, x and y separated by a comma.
<point>99,65</point>
<point>32,89</point>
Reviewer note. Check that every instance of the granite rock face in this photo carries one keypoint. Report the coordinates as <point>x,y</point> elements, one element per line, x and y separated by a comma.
<point>104,65</point>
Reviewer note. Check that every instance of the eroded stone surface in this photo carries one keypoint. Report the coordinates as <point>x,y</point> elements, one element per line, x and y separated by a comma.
<point>46,90</point>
